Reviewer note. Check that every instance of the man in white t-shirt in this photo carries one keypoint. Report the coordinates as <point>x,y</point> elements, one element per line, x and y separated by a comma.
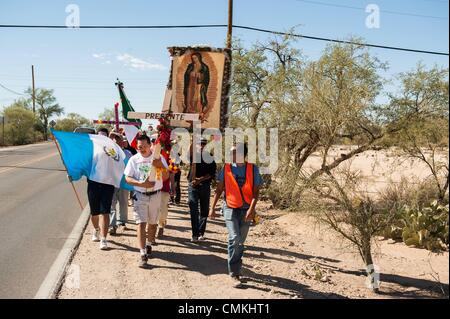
<point>138,173</point>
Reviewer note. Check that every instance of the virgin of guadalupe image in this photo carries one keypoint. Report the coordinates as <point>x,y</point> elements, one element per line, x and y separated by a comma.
<point>196,82</point>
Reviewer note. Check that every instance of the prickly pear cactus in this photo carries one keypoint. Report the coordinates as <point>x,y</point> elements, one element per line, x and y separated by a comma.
<point>427,228</point>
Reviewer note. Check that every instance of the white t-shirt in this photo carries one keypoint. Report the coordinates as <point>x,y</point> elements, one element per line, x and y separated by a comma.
<point>139,168</point>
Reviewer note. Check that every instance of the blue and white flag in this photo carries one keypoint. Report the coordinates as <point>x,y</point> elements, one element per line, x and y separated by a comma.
<point>97,157</point>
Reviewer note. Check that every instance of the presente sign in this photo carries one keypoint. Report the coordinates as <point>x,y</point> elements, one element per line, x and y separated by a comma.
<point>168,116</point>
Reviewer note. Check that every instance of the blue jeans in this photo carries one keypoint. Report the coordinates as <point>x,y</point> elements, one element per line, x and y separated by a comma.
<point>237,233</point>
<point>120,196</point>
<point>199,195</point>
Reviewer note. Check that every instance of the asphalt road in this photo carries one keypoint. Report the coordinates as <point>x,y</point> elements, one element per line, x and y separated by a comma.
<point>38,210</point>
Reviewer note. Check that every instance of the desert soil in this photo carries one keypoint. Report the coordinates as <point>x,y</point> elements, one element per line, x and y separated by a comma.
<point>288,255</point>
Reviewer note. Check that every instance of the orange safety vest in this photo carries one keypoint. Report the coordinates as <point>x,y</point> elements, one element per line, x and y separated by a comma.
<point>235,196</point>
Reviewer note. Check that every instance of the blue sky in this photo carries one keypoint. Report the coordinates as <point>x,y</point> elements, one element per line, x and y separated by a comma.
<point>82,65</point>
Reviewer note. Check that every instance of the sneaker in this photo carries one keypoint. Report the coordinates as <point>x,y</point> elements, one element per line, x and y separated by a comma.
<point>148,249</point>
<point>143,261</point>
<point>201,238</point>
<point>160,233</point>
<point>103,244</point>
<point>96,235</point>
<point>236,282</point>
<point>112,231</point>
<point>194,239</point>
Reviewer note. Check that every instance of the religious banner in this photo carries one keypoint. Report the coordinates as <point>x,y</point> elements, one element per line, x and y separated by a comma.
<point>199,84</point>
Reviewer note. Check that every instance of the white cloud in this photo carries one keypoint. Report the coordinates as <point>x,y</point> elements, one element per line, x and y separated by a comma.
<point>136,63</point>
<point>100,56</point>
<point>128,60</point>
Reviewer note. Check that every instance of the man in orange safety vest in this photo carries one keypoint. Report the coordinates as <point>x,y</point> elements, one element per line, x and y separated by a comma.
<point>241,182</point>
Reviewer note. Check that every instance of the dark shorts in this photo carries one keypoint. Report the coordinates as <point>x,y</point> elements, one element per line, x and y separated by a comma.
<point>100,197</point>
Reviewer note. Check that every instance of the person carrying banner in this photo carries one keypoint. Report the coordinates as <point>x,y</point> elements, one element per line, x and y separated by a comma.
<point>99,197</point>
<point>102,161</point>
<point>241,182</point>
<point>138,173</point>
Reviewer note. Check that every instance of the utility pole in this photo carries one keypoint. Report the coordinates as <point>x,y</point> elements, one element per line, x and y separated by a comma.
<point>33,93</point>
<point>3,129</point>
<point>33,97</point>
<point>230,23</point>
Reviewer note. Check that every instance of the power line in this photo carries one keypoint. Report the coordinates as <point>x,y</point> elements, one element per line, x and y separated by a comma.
<point>4,87</point>
<point>361,8</point>
<point>115,26</point>
<point>440,1</point>
<point>223,26</point>
<point>342,41</point>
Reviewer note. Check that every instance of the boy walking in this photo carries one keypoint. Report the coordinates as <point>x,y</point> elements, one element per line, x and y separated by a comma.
<point>148,193</point>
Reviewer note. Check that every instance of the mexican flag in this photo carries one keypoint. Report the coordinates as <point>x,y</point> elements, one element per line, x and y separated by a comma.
<point>131,131</point>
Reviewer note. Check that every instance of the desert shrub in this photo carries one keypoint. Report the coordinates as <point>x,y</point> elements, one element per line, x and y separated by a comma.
<point>420,226</point>
<point>415,221</point>
<point>410,193</point>
<point>426,227</point>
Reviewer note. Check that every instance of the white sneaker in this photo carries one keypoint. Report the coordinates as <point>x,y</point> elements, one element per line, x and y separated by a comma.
<point>95,235</point>
<point>103,244</point>
<point>202,238</point>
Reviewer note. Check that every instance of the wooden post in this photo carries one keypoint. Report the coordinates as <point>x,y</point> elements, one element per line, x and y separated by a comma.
<point>230,23</point>
<point>116,115</point>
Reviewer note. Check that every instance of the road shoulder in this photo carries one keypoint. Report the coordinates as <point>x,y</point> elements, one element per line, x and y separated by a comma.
<point>57,273</point>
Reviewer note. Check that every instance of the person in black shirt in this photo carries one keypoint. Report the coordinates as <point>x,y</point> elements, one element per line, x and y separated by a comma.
<point>200,176</point>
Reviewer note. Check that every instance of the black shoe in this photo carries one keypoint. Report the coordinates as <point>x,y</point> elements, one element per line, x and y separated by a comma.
<point>143,261</point>
<point>236,282</point>
<point>112,231</point>
<point>148,250</point>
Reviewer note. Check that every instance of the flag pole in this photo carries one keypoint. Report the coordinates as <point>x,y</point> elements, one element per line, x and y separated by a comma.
<point>70,179</point>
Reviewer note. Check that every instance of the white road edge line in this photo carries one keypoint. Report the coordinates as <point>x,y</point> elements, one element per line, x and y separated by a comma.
<point>54,279</point>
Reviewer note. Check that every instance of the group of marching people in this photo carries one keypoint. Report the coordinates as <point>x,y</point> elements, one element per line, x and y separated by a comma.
<point>239,180</point>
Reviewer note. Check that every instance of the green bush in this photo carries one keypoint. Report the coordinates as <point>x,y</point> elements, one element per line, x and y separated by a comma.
<point>426,227</point>
<point>409,192</point>
<point>19,128</point>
